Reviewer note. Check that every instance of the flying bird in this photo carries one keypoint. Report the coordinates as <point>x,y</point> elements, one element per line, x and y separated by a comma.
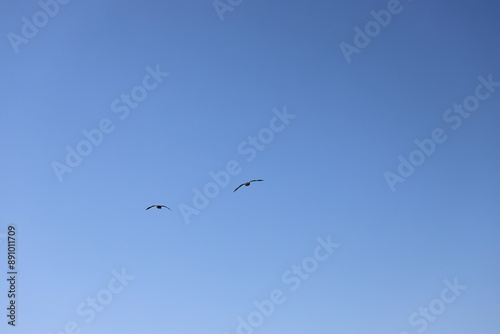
<point>245,184</point>
<point>158,207</point>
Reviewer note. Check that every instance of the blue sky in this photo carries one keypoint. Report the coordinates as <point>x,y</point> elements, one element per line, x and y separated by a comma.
<point>379,210</point>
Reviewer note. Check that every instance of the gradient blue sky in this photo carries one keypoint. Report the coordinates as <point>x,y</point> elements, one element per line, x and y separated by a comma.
<point>324,172</point>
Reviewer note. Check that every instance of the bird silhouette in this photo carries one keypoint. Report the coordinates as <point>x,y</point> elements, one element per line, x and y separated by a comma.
<point>245,184</point>
<point>158,207</point>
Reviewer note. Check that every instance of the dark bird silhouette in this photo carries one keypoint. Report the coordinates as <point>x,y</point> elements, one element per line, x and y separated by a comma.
<point>245,184</point>
<point>158,207</point>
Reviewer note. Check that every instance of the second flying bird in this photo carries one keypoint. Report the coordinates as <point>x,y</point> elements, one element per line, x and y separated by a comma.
<point>245,184</point>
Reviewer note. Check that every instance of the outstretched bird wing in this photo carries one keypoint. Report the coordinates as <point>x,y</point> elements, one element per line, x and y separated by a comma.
<point>238,187</point>
<point>149,207</point>
<point>166,207</point>
<point>256,180</point>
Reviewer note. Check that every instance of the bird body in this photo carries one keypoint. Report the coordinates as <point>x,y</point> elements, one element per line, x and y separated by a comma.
<point>245,184</point>
<point>158,207</point>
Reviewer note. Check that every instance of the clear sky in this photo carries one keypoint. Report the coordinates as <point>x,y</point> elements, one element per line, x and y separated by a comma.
<point>373,123</point>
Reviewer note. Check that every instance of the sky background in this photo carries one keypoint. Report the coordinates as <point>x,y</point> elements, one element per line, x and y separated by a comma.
<point>324,172</point>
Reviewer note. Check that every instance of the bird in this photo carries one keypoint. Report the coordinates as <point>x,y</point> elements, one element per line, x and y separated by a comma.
<point>158,207</point>
<point>245,184</point>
